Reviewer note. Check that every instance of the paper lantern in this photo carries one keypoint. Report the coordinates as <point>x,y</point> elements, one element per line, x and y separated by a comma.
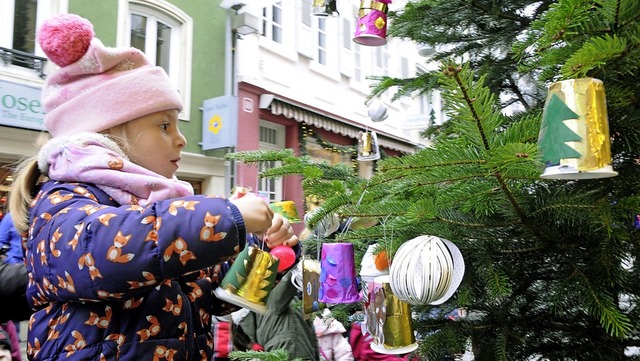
<point>426,270</point>
<point>249,280</point>
<point>371,27</point>
<point>574,134</point>
<point>338,274</point>
<point>389,320</point>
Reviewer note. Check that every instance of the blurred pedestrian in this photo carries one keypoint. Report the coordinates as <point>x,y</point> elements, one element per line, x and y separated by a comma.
<point>13,289</point>
<point>283,326</point>
<point>10,329</point>
<point>6,347</point>
<point>333,345</point>
<point>11,240</point>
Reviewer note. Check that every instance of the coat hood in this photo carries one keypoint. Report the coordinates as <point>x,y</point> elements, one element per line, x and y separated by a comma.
<point>327,326</point>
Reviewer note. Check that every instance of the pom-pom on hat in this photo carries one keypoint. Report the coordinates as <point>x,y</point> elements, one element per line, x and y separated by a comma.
<point>97,87</point>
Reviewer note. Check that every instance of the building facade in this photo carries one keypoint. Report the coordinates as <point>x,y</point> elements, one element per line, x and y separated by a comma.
<point>184,37</point>
<point>301,82</point>
<point>267,75</point>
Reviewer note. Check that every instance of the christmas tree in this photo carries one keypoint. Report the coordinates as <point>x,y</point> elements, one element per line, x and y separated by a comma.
<point>551,270</point>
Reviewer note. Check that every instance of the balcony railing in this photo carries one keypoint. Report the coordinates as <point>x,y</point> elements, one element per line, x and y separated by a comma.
<point>23,59</point>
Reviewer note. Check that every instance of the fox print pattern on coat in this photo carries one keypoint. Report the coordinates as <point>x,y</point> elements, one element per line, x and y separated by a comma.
<point>127,279</point>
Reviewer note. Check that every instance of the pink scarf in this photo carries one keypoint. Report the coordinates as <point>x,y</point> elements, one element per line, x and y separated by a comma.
<point>93,158</point>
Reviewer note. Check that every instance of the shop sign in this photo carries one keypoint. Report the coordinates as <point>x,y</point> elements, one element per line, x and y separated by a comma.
<point>20,106</point>
<point>220,122</point>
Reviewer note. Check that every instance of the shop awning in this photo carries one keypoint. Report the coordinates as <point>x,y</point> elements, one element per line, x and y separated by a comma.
<point>299,114</point>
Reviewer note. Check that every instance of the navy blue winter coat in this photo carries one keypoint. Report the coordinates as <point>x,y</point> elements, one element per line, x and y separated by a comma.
<point>112,282</point>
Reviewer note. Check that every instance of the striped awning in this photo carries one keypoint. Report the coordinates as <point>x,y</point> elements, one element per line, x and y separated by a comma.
<point>279,107</point>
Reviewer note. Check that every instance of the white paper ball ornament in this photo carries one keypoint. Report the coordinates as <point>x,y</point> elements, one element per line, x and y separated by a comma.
<point>377,111</point>
<point>426,270</point>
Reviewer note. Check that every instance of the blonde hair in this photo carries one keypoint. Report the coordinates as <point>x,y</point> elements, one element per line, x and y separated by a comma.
<point>28,176</point>
<point>20,195</point>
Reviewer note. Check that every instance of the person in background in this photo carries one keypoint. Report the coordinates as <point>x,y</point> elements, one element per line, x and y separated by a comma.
<point>13,289</point>
<point>120,253</point>
<point>333,345</point>
<point>11,240</point>
<point>5,346</point>
<point>361,346</point>
<point>11,246</point>
<point>13,283</point>
<point>11,333</point>
<point>283,326</point>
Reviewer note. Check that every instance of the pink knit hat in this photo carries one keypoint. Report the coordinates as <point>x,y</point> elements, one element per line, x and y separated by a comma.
<point>97,87</point>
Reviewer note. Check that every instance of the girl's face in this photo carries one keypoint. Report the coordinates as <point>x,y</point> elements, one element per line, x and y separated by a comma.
<point>155,142</point>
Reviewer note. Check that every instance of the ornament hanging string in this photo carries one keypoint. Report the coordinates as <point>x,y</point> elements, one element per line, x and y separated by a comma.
<point>350,219</point>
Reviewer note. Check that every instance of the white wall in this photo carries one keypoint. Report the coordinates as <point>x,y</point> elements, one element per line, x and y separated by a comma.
<point>291,70</point>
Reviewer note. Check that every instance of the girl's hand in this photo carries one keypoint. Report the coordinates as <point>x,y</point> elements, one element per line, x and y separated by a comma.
<point>280,233</point>
<point>255,211</point>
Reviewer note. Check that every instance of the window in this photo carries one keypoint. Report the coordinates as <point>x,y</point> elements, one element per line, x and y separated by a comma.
<point>24,25</point>
<point>272,22</point>
<point>326,47</point>
<point>18,22</point>
<point>357,63</point>
<point>320,154</point>
<point>153,37</point>
<point>164,33</point>
<point>322,42</point>
<point>305,14</point>
<point>271,138</point>
<point>404,67</point>
<point>382,60</point>
<point>346,34</point>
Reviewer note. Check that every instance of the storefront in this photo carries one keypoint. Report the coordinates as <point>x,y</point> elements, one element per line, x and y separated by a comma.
<point>275,123</point>
<point>21,123</point>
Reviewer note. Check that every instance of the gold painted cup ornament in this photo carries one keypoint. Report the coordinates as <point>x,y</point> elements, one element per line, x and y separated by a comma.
<point>389,320</point>
<point>368,148</point>
<point>574,135</point>
<point>249,280</point>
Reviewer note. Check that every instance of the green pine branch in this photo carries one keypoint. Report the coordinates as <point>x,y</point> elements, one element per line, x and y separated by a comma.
<point>276,355</point>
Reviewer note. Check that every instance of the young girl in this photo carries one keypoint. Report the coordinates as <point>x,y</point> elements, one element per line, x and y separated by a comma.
<point>120,252</point>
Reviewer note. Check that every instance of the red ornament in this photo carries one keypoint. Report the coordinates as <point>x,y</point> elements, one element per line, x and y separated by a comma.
<point>285,255</point>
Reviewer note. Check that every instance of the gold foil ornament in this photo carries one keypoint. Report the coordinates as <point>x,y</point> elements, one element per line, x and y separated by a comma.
<point>574,135</point>
<point>287,209</point>
<point>249,280</point>
<point>368,148</point>
<point>392,329</point>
